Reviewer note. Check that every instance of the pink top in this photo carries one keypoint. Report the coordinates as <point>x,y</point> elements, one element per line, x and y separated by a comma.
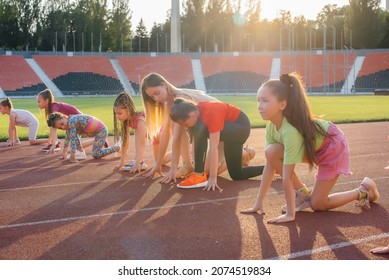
<point>64,108</point>
<point>134,122</point>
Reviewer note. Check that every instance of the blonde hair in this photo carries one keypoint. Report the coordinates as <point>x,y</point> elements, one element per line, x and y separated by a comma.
<point>298,112</point>
<point>123,101</point>
<point>47,94</point>
<point>154,110</point>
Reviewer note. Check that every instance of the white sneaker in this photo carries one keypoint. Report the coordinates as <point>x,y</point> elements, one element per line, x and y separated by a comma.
<point>79,155</point>
<point>369,187</point>
<point>17,142</point>
<point>302,201</point>
<point>129,166</point>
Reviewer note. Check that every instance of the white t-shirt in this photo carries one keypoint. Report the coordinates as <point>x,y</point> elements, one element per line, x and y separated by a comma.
<point>24,118</point>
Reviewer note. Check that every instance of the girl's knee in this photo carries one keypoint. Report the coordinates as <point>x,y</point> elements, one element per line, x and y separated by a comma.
<point>274,150</point>
<point>318,205</point>
<point>236,175</point>
<point>96,155</point>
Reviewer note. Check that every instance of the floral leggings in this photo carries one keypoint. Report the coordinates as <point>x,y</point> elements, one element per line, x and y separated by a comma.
<point>98,151</point>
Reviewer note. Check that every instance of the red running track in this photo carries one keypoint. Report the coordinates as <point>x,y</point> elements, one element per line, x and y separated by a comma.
<point>52,209</point>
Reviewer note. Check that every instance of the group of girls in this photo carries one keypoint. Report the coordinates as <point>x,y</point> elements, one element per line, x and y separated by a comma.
<point>194,119</point>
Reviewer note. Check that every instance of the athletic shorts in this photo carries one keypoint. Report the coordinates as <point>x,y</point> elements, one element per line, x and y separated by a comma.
<point>333,157</point>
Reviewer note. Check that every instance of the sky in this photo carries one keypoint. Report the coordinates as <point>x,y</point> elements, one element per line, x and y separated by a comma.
<point>155,10</point>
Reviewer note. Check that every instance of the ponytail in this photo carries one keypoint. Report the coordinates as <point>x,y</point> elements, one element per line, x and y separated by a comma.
<point>181,109</point>
<point>47,95</point>
<point>53,117</point>
<point>290,87</point>
<point>7,103</point>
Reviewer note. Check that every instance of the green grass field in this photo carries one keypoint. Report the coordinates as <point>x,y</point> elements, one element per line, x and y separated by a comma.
<point>338,109</point>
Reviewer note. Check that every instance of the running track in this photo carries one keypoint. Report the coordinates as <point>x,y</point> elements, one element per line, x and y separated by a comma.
<point>52,209</point>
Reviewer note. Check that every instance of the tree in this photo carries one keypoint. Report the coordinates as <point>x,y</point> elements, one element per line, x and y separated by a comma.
<point>119,26</point>
<point>366,21</point>
<point>333,17</point>
<point>90,21</point>
<point>284,19</point>
<point>385,41</point>
<point>158,38</point>
<point>56,24</point>
<point>215,31</point>
<point>253,23</point>
<point>192,25</point>
<point>28,17</point>
<point>10,35</point>
<point>140,40</point>
<point>300,34</point>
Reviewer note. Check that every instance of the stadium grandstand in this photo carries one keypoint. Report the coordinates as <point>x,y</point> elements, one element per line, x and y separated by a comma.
<point>69,74</point>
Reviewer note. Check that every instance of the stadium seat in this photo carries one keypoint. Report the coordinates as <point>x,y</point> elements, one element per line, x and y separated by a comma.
<point>235,74</point>
<point>311,68</point>
<point>17,77</point>
<point>176,69</point>
<point>374,73</point>
<point>81,75</point>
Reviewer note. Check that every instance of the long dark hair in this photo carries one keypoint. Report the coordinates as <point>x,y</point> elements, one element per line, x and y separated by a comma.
<point>47,95</point>
<point>298,112</point>
<point>7,103</point>
<point>53,117</point>
<point>181,109</point>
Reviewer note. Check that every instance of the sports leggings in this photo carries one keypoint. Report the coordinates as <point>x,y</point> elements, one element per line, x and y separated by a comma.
<point>234,135</point>
<point>98,151</point>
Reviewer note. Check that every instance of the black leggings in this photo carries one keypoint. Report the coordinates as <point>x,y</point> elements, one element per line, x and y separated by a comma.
<point>234,135</point>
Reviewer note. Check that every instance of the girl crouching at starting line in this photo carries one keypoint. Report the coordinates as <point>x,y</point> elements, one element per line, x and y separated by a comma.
<point>77,125</point>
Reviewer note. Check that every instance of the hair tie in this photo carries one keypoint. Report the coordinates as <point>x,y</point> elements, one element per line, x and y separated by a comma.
<point>286,80</point>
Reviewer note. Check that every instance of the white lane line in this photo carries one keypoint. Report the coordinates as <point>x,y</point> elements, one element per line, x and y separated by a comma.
<point>66,164</point>
<point>146,158</point>
<point>331,247</point>
<point>68,184</point>
<point>101,215</point>
<point>138,178</point>
<point>145,209</point>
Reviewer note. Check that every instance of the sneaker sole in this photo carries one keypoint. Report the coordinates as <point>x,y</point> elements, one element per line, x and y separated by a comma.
<point>373,187</point>
<point>302,206</point>
<point>55,150</point>
<point>78,157</point>
<point>130,168</point>
<point>201,185</point>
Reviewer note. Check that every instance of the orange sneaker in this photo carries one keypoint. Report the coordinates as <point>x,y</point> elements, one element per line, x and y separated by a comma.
<point>194,181</point>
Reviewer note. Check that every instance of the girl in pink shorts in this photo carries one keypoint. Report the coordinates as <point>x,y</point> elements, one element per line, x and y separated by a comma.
<point>294,136</point>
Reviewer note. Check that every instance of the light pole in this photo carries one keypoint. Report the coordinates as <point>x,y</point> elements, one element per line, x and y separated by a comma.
<point>122,42</point>
<point>346,68</point>
<point>324,58</point>
<point>333,49</point>
<point>74,42</point>
<point>157,42</point>
<point>353,85</point>
<point>165,42</point>
<point>310,58</point>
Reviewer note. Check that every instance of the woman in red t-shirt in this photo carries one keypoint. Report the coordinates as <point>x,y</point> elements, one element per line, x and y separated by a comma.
<point>216,121</point>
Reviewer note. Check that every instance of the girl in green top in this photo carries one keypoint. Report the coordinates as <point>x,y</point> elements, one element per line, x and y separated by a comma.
<point>294,136</point>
